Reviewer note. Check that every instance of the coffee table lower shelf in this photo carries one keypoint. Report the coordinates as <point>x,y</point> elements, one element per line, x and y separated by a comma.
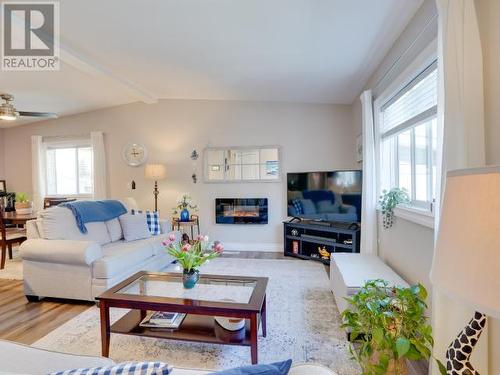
<point>194,328</point>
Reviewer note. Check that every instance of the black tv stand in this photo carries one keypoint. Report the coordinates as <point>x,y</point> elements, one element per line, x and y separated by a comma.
<point>316,240</point>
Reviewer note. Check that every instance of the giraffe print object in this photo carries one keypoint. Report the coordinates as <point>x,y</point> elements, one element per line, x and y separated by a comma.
<point>460,350</point>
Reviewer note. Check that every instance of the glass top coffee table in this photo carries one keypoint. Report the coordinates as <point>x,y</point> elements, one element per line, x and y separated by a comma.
<point>214,295</point>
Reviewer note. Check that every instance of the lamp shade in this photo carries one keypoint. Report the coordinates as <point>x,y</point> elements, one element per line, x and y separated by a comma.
<point>155,172</point>
<point>466,264</point>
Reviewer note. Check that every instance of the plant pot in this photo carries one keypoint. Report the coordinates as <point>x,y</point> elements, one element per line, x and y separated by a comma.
<point>396,366</point>
<point>24,207</point>
<point>190,278</point>
<point>184,215</point>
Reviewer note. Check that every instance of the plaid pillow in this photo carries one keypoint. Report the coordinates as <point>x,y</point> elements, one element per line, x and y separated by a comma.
<point>131,368</point>
<point>153,219</point>
<point>297,204</point>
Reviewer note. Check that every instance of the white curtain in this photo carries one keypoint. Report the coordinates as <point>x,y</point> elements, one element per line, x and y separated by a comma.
<point>369,197</point>
<point>99,166</point>
<point>38,171</point>
<point>461,112</point>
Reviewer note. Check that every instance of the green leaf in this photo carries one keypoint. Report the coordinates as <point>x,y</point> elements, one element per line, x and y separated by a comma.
<point>377,335</point>
<point>402,346</point>
<point>442,368</point>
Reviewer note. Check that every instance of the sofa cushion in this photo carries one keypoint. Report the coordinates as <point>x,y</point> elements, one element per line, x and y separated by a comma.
<point>277,368</point>
<point>135,227</point>
<point>308,207</point>
<point>23,359</point>
<point>327,207</point>
<point>127,368</point>
<point>153,220</point>
<point>319,195</point>
<point>114,229</point>
<point>121,255</point>
<point>59,223</point>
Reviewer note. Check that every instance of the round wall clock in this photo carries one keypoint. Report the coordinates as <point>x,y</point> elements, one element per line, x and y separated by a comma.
<point>135,154</point>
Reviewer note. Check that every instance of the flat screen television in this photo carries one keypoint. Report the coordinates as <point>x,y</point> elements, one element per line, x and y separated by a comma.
<point>328,196</point>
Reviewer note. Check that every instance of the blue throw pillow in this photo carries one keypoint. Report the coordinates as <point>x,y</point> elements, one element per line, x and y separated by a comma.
<point>130,368</point>
<point>298,206</point>
<point>278,368</point>
<point>308,207</point>
<point>153,219</point>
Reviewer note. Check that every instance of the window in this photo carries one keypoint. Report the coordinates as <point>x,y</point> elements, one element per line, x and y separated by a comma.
<point>408,138</point>
<point>69,170</point>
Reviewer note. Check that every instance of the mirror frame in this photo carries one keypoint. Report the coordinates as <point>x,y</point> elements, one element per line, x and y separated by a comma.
<point>224,181</point>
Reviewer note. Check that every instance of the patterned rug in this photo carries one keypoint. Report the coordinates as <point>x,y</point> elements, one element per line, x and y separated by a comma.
<point>303,324</point>
<point>13,268</point>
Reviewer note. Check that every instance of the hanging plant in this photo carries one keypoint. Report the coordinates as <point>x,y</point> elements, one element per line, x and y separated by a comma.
<point>388,201</point>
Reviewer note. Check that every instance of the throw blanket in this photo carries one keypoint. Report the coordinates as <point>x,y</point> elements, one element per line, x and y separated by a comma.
<point>92,211</point>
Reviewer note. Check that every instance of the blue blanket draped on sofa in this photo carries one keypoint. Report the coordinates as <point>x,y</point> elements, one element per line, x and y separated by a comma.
<point>92,211</point>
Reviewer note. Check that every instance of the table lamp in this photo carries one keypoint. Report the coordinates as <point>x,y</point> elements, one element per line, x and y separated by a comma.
<point>467,255</point>
<point>155,172</point>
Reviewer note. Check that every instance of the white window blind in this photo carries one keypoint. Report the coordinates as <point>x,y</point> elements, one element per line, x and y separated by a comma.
<point>414,104</point>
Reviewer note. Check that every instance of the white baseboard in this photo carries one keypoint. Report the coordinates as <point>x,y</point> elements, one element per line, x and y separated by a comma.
<point>246,246</point>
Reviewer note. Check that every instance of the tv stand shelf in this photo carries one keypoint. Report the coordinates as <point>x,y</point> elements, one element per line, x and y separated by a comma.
<point>303,239</point>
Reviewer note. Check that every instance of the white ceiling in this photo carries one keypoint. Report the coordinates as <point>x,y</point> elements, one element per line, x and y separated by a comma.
<point>120,51</point>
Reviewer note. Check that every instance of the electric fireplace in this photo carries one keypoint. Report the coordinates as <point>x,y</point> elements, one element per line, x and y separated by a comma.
<point>241,211</point>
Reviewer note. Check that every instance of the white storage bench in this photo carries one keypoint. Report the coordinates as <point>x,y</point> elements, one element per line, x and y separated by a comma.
<point>349,272</point>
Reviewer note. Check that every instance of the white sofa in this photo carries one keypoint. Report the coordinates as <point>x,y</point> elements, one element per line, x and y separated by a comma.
<point>349,272</point>
<point>61,262</point>
<point>17,359</point>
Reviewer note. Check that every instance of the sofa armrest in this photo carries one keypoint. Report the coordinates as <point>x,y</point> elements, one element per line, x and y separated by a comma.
<point>61,251</point>
<point>165,226</point>
<point>347,209</point>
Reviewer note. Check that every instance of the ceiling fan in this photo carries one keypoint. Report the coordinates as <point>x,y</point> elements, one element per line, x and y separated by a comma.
<point>9,113</point>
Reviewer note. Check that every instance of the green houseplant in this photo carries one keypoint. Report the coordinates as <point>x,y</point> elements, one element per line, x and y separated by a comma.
<point>184,204</point>
<point>23,203</point>
<point>388,201</point>
<point>388,326</point>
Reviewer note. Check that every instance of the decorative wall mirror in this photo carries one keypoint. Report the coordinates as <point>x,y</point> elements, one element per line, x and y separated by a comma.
<point>242,164</point>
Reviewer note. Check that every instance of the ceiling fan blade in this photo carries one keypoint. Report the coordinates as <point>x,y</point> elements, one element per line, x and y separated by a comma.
<point>38,114</point>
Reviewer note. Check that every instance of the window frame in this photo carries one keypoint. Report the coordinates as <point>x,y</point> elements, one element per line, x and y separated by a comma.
<point>68,144</point>
<point>420,214</point>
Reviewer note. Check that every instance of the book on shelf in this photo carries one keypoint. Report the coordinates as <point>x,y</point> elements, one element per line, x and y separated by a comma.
<point>162,320</point>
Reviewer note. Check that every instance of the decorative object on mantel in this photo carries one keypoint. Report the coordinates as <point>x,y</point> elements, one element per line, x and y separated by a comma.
<point>184,204</point>
<point>23,204</point>
<point>3,187</point>
<point>155,172</point>
<point>388,202</point>
<point>359,148</point>
<point>194,158</point>
<point>466,256</point>
<point>192,255</point>
<point>135,154</point>
<point>387,326</point>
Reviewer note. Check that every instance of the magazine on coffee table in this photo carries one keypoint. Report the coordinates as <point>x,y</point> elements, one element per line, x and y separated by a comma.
<point>162,320</point>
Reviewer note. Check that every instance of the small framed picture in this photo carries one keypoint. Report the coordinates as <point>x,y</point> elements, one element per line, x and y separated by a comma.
<point>3,186</point>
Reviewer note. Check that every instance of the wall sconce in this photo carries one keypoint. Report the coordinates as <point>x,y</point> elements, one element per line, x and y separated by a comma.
<point>194,157</point>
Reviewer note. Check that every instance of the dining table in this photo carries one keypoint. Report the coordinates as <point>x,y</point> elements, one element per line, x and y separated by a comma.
<point>16,218</point>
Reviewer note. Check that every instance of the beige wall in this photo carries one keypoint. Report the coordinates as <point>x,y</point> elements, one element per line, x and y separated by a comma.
<point>312,136</point>
<point>489,24</point>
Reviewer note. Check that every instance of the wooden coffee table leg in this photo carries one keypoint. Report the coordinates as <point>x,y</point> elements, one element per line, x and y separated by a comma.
<point>105,331</point>
<point>254,328</point>
<point>263,318</point>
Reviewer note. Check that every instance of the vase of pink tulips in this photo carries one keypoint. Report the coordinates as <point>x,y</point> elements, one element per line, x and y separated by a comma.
<point>192,255</point>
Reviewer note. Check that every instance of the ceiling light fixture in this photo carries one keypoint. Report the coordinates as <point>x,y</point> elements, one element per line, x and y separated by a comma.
<point>8,112</point>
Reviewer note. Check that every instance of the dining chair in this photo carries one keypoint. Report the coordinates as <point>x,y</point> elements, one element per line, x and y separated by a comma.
<point>9,237</point>
<point>52,201</point>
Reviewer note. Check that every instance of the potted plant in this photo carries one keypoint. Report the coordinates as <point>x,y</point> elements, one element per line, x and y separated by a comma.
<point>183,205</point>
<point>23,205</point>
<point>192,255</point>
<point>387,327</point>
<point>388,201</point>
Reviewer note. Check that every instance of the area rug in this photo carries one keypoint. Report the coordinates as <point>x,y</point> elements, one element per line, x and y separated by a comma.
<point>303,324</point>
<point>13,268</point>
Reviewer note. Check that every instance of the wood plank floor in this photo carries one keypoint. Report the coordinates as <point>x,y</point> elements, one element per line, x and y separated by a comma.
<point>26,322</point>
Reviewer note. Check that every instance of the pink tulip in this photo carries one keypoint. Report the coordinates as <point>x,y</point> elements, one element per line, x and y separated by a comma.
<point>167,243</point>
<point>200,237</point>
<point>171,237</point>
<point>219,248</point>
<point>186,247</point>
